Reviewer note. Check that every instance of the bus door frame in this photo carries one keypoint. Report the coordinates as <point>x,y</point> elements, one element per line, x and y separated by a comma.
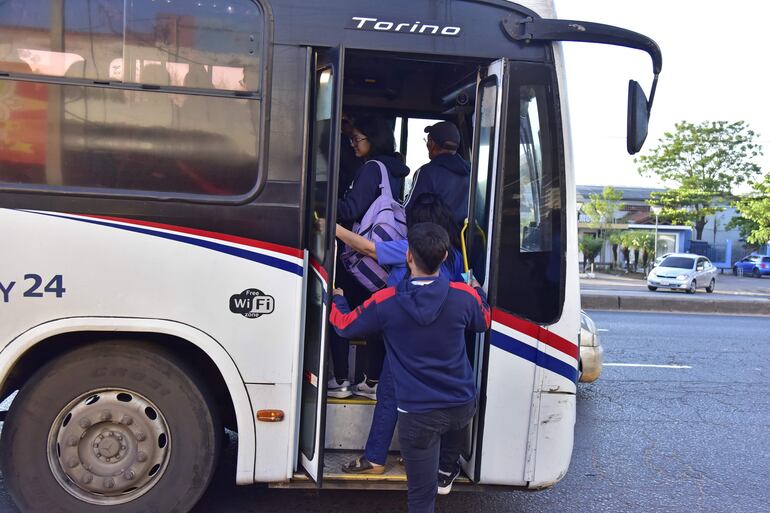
<point>320,273</point>
<point>497,72</point>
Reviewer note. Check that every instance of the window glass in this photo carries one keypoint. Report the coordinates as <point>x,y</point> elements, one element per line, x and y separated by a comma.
<point>92,137</point>
<point>486,162</point>
<point>319,207</point>
<point>109,138</point>
<point>534,215</point>
<point>75,39</point>
<point>207,45</point>
<point>678,262</point>
<point>210,45</point>
<point>416,149</point>
<point>531,260</point>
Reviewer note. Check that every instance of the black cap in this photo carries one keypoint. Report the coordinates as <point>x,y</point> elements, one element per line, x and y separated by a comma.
<point>445,134</point>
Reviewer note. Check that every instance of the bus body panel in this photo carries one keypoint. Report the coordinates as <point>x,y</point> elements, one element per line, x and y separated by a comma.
<point>275,440</point>
<point>117,270</point>
<point>506,424</point>
<point>210,273</point>
<point>13,351</point>
<point>553,447</point>
<point>457,28</point>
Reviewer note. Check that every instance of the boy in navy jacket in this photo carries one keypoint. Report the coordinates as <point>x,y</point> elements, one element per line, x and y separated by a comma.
<point>424,320</point>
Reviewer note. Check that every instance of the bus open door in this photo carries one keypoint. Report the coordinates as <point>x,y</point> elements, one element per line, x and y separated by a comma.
<point>516,247</point>
<point>323,163</point>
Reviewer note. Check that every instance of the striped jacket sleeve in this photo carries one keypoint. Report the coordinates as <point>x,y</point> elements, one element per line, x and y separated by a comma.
<point>480,316</point>
<point>361,321</point>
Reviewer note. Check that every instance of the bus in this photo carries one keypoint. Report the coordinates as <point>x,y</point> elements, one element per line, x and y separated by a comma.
<point>164,276</point>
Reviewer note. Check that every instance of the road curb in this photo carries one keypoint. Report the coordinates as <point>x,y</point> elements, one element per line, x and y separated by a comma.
<point>679,305</point>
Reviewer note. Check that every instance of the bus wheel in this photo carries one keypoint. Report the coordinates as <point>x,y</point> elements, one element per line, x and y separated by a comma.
<point>118,426</point>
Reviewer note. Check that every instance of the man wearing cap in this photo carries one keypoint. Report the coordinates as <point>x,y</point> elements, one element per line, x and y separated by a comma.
<point>447,174</point>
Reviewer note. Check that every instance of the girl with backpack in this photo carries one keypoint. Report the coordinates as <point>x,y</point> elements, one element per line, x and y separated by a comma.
<point>373,141</point>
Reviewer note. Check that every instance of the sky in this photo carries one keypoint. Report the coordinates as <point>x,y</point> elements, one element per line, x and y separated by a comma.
<point>715,67</point>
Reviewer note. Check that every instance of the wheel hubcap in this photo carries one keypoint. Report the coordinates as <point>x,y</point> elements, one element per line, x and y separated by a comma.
<point>109,446</point>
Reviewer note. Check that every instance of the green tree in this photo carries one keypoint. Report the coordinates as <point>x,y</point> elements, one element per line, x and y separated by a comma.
<point>590,247</point>
<point>755,213</point>
<point>616,239</point>
<point>647,241</point>
<point>627,242</point>
<point>705,162</point>
<point>602,208</point>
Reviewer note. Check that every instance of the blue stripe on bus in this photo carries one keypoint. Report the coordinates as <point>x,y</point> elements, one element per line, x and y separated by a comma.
<point>529,353</point>
<point>268,260</point>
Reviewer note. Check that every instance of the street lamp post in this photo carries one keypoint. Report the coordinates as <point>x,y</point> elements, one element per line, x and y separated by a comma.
<point>579,205</point>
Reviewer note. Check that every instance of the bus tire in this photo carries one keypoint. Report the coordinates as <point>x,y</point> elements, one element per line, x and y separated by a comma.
<point>119,426</point>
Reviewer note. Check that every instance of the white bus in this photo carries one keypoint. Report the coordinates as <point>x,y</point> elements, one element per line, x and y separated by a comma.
<point>161,275</point>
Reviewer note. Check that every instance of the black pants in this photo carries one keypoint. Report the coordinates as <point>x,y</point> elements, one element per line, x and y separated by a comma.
<point>428,441</point>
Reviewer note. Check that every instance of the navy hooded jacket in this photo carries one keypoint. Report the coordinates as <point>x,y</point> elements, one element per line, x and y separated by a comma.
<point>424,329</point>
<point>447,175</point>
<point>366,188</point>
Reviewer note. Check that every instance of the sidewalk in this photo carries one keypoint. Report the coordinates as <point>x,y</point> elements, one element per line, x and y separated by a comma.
<point>733,295</point>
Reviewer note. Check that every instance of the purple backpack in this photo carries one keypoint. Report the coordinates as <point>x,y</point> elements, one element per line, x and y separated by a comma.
<point>385,220</point>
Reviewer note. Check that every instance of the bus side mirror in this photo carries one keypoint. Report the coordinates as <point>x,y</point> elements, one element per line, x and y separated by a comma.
<point>638,117</point>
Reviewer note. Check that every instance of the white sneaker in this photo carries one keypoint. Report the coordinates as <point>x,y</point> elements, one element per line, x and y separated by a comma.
<point>364,390</point>
<point>338,389</point>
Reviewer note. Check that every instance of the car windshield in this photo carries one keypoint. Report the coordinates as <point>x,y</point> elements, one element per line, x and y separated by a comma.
<point>677,262</point>
<point>766,259</point>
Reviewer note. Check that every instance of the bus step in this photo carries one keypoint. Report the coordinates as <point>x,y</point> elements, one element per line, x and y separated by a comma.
<point>354,400</point>
<point>334,460</point>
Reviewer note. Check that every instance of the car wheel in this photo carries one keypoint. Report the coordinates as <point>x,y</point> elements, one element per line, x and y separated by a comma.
<point>652,288</point>
<point>710,288</point>
<point>118,425</point>
<point>692,287</point>
<point>755,273</point>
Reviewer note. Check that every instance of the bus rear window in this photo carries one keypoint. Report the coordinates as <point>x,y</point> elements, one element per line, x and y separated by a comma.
<point>678,262</point>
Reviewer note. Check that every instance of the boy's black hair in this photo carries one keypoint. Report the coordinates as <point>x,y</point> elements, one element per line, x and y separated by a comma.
<point>380,135</point>
<point>429,244</point>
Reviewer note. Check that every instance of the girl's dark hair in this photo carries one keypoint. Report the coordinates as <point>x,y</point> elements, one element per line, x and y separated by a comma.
<point>379,134</point>
<point>430,208</point>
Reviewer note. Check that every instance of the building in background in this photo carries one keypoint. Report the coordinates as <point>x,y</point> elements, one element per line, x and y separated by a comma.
<point>720,245</point>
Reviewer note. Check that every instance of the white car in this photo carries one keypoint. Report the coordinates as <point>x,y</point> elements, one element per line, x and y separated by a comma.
<point>591,351</point>
<point>683,271</point>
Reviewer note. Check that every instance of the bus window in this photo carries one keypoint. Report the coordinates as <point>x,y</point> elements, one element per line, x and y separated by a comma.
<point>534,217</point>
<point>486,159</point>
<point>111,138</point>
<point>97,40</point>
<point>74,39</point>
<point>531,259</point>
<point>416,151</point>
<point>222,38</point>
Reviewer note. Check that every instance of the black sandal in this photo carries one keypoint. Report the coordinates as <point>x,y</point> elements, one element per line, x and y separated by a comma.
<point>361,465</point>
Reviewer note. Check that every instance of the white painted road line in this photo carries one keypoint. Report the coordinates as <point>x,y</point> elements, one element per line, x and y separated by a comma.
<point>647,365</point>
<point>601,329</point>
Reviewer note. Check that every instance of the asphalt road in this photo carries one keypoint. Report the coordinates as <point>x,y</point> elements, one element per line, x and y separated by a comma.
<point>692,436</point>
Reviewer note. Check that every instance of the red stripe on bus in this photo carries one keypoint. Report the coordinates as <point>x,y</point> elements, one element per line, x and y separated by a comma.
<point>269,246</point>
<point>320,269</point>
<point>537,332</point>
